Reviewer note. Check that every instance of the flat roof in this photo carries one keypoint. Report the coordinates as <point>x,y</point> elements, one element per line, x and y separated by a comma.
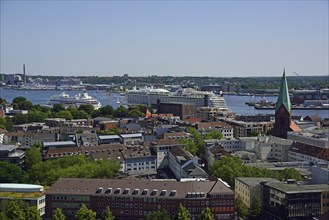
<point>295,188</point>
<point>7,147</point>
<point>131,135</point>
<point>103,137</point>
<point>19,187</point>
<point>254,181</point>
<point>58,143</point>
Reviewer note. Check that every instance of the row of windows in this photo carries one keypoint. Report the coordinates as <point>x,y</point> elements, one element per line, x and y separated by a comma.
<point>71,198</point>
<point>65,205</point>
<point>141,168</point>
<point>41,201</point>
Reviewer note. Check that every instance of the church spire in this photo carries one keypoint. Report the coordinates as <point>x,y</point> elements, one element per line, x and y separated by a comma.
<point>283,97</point>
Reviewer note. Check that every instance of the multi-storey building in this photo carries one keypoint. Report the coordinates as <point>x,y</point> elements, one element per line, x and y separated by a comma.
<point>278,148</point>
<point>235,144</point>
<point>34,195</point>
<point>212,113</point>
<point>132,139</point>
<point>224,128</point>
<point>10,154</point>
<point>162,147</point>
<point>320,173</point>
<point>213,153</point>
<point>244,129</point>
<point>134,199</point>
<point>309,146</point>
<point>293,201</point>
<point>248,188</point>
<point>183,110</point>
<point>139,161</point>
<point>184,165</point>
<point>28,138</point>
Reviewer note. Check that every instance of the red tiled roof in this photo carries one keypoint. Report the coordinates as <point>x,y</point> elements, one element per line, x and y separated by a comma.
<point>294,127</point>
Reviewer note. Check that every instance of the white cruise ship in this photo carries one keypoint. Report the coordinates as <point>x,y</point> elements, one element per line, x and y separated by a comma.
<point>150,95</point>
<point>66,100</point>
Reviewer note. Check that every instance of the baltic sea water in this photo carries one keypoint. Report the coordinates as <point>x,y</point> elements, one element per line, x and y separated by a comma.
<point>235,103</point>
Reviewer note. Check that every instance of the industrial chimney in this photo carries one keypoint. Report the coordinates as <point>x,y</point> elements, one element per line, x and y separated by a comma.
<point>24,74</point>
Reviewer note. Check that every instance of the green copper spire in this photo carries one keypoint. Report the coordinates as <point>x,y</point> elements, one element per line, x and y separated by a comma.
<point>284,94</point>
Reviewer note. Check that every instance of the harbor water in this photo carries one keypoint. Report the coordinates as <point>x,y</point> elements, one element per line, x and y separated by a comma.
<point>235,103</point>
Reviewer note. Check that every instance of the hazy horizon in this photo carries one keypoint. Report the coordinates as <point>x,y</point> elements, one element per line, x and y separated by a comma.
<point>164,38</point>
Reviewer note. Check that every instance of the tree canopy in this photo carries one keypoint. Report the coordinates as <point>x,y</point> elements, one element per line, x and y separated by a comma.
<point>85,214</point>
<point>78,166</point>
<point>182,213</point>
<point>206,214</point>
<point>228,168</point>
<point>11,173</point>
<point>241,208</point>
<point>58,215</point>
<point>107,214</point>
<point>159,215</point>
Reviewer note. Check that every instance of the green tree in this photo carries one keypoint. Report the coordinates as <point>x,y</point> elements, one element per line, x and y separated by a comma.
<point>3,101</point>
<point>11,173</point>
<point>3,216</point>
<point>158,215</point>
<point>19,99</point>
<point>9,123</point>
<point>240,208</point>
<point>77,114</point>
<point>78,166</point>
<point>206,214</point>
<point>190,146</point>
<point>214,134</point>
<point>105,111</point>
<point>291,173</point>
<point>20,119</point>
<point>135,113</point>
<point>57,108</point>
<point>256,207</point>
<point>85,214</point>
<point>198,140</point>
<point>36,116</point>
<point>32,156</point>
<point>87,108</point>
<point>120,112</point>
<point>25,105</point>
<point>58,215</point>
<point>182,213</point>
<point>15,211</point>
<point>228,168</point>
<point>32,213</point>
<point>107,214</point>
<point>65,114</point>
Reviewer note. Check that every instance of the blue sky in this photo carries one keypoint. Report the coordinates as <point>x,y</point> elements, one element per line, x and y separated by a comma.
<point>180,38</point>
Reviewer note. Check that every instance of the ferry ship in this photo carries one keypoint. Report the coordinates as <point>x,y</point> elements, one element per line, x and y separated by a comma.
<point>150,95</point>
<point>80,99</point>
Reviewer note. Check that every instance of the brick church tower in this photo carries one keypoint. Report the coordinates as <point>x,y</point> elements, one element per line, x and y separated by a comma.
<point>283,122</point>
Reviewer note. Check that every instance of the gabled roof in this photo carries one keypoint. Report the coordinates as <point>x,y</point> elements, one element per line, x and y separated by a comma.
<point>314,118</point>
<point>283,98</point>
